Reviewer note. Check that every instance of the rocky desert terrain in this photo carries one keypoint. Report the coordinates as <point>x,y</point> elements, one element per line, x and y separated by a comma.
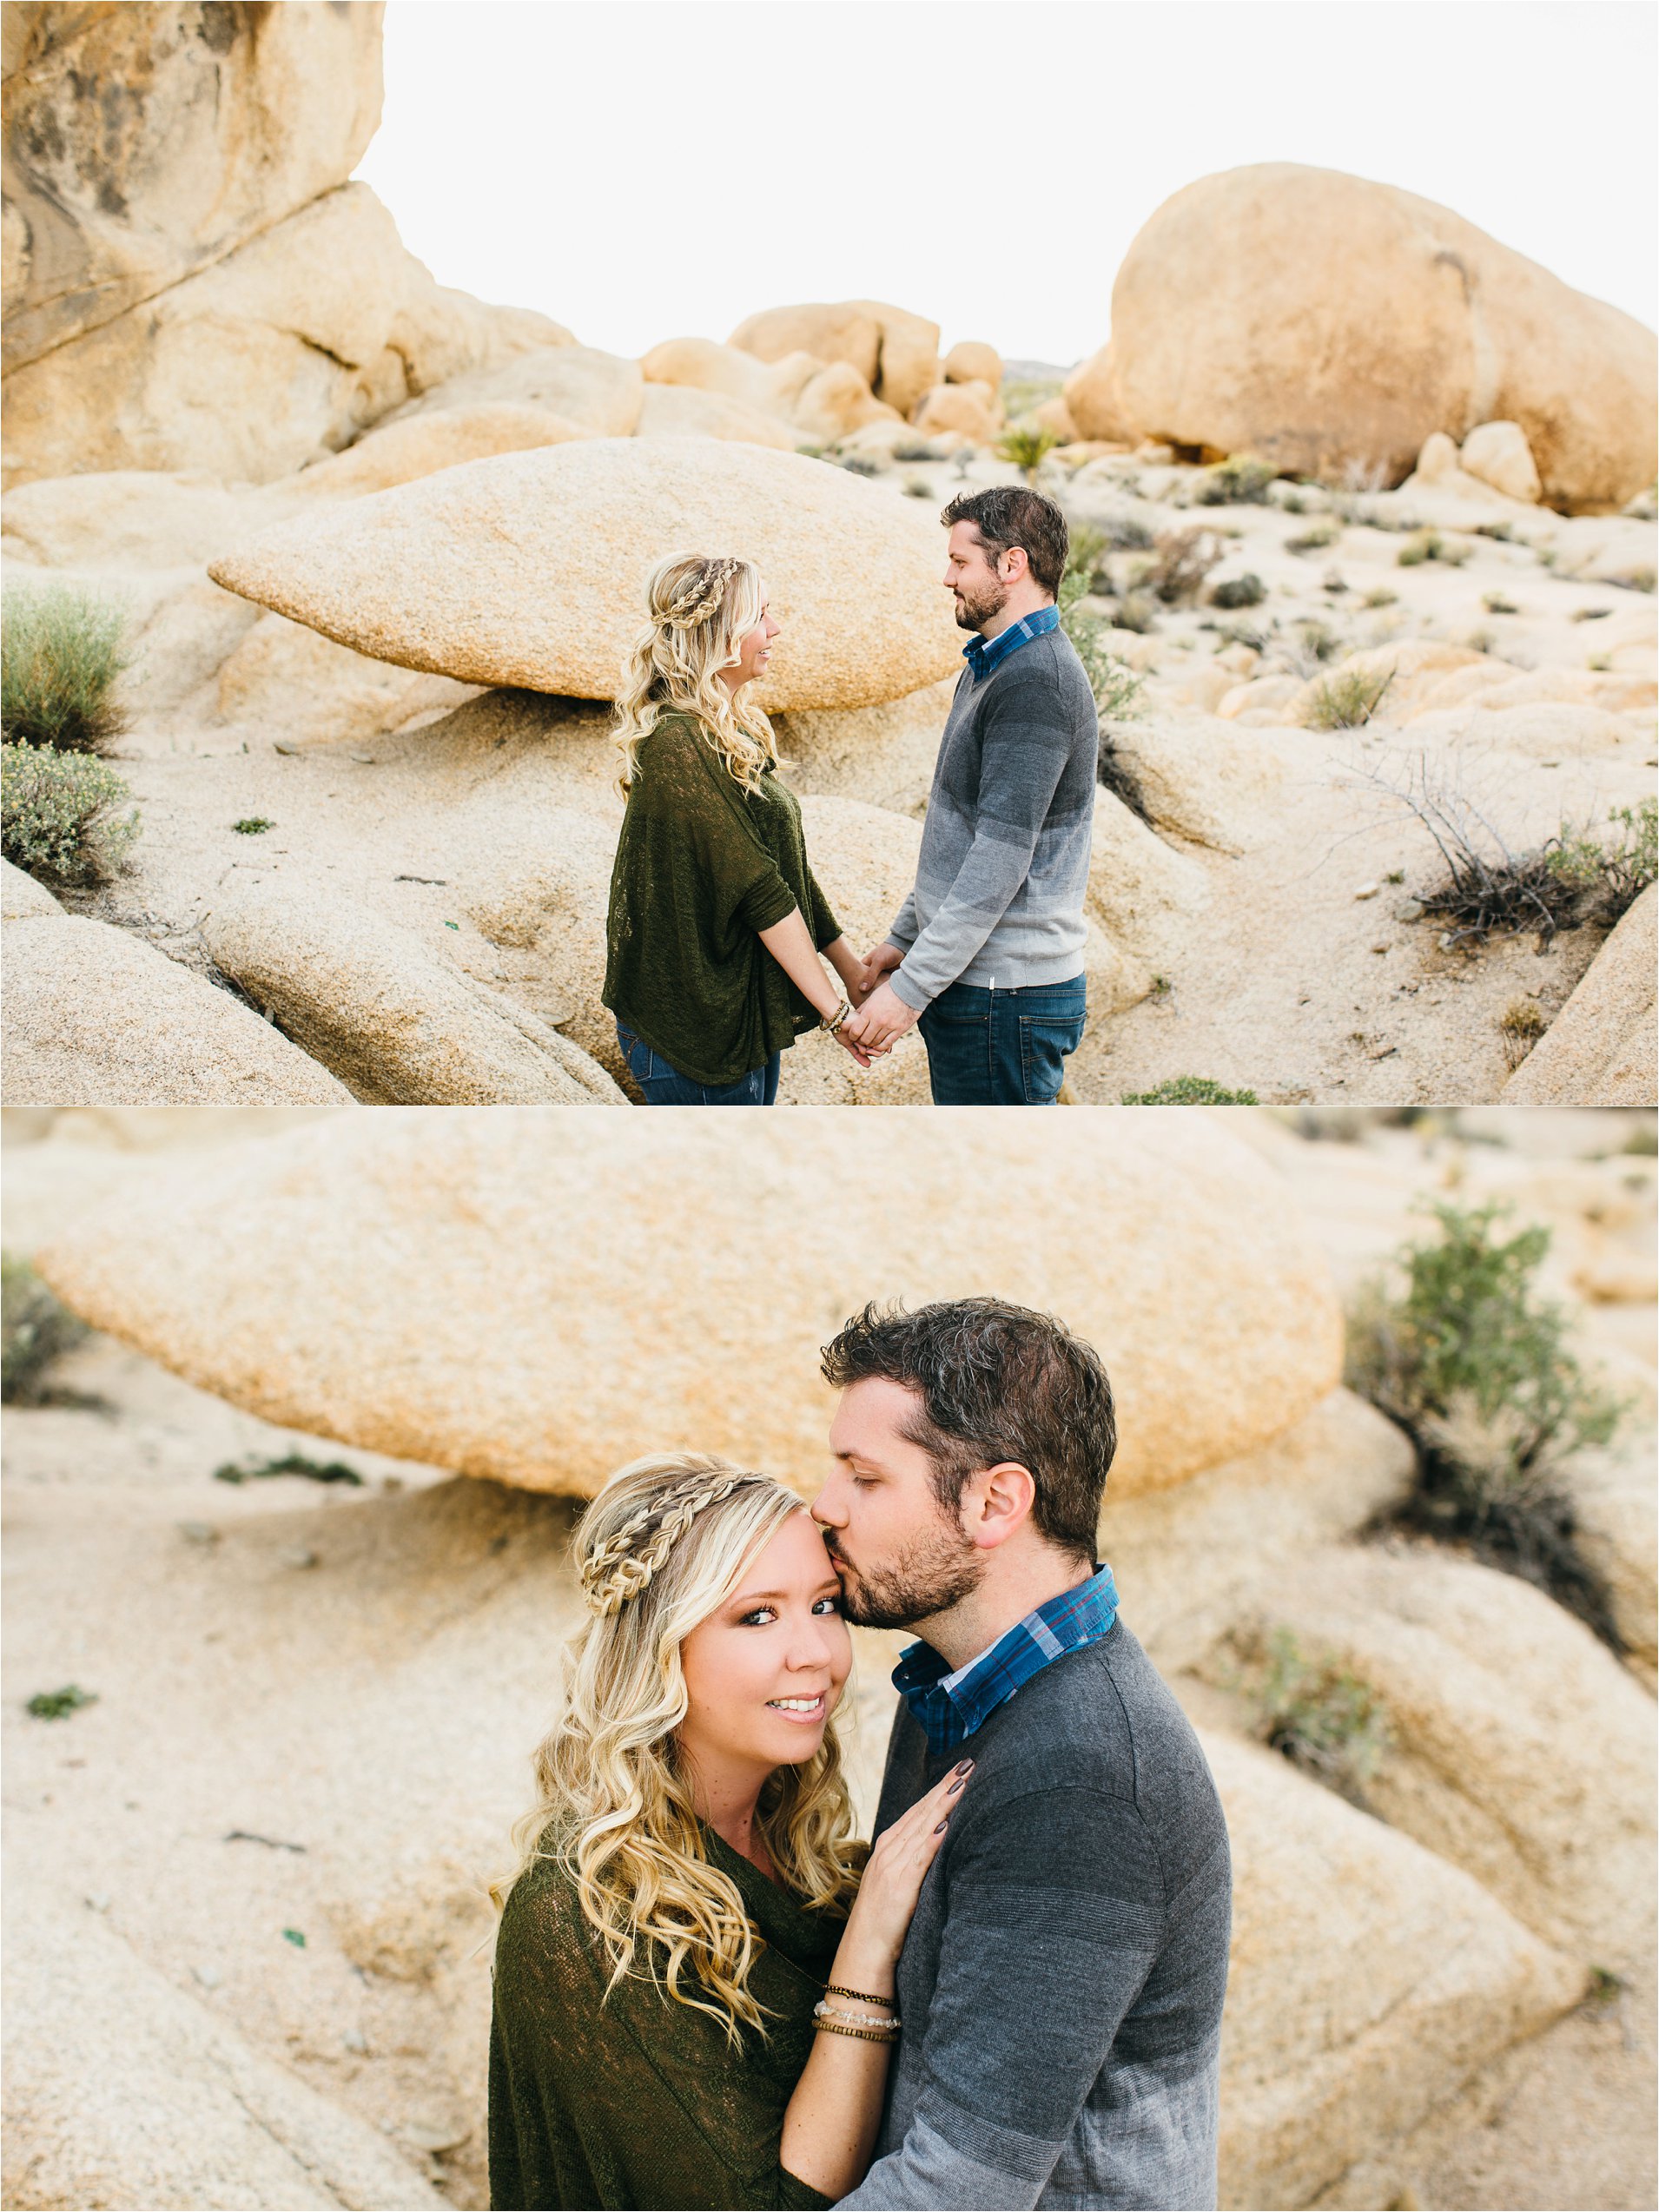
<point>1363,504</point>
<point>296,1520</point>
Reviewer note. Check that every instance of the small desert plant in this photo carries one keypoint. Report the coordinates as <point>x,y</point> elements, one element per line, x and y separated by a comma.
<point>35,1331</point>
<point>1478,1370</point>
<point>1504,532</point>
<point>1382,597</point>
<point>1137,611</point>
<point>61,653</point>
<point>252,825</point>
<point>253,1469</point>
<point>1317,1712</point>
<point>1589,614</point>
<point>1520,1026</point>
<point>859,464</point>
<point>1188,1090</point>
<point>1240,480</point>
<point>1314,539</point>
<point>1636,579</point>
<point>1494,603</point>
<point>1027,445</point>
<point>914,449</point>
<point>1320,643</point>
<point>1613,875</point>
<point>917,487</point>
<point>1478,641</point>
<point>1247,590</point>
<point>1334,582</point>
<point>1347,699</point>
<point>1430,546</point>
<point>57,1705</point>
<point>1181,560</point>
<point>1122,533</point>
<point>57,818</point>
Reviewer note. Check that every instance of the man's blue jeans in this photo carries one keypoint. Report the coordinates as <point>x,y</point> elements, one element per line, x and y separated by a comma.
<point>989,1048</point>
<point>665,1086</point>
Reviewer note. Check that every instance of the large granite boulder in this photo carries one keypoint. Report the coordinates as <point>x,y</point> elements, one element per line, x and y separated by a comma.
<point>896,353</point>
<point>530,569</point>
<point>1603,1047</point>
<point>96,1017</point>
<point>1319,319</point>
<point>279,354</point>
<point>323,1280</point>
<point>144,143</point>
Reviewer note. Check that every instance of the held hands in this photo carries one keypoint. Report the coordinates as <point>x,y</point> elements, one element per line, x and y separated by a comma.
<point>880,1919</point>
<point>881,961</point>
<point>881,1020</point>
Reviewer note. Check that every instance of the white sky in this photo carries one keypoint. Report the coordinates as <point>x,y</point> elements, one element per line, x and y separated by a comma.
<point>641,170</point>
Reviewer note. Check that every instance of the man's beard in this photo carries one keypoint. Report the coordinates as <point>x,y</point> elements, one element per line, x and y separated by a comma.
<point>974,610</point>
<point>935,1573</point>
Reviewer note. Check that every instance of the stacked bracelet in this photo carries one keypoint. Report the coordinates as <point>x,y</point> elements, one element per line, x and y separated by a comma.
<point>832,1022</point>
<point>857,2019</point>
<point>864,2035</point>
<point>858,1997</point>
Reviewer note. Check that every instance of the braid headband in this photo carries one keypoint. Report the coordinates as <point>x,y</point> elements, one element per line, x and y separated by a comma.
<point>615,1572</point>
<point>701,598</point>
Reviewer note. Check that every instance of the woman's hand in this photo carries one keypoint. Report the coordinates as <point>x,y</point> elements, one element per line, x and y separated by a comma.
<point>880,1919</point>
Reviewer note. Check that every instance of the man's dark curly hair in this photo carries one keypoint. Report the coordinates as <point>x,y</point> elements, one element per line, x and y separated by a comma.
<point>1012,514</point>
<point>997,1382</point>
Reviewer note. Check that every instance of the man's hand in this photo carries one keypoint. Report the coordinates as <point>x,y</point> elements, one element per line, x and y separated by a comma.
<point>878,962</point>
<point>880,1022</point>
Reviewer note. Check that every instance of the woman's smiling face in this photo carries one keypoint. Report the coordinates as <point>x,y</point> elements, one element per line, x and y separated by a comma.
<point>764,1672</point>
<point>754,649</point>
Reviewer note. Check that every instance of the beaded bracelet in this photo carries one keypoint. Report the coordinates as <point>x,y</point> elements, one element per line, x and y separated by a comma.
<point>857,2019</point>
<point>864,2035</point>
<point>858,1997</point>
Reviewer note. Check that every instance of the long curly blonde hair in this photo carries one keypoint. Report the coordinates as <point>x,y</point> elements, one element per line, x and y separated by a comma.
<point>699,610</point>
<point>660,1549</point>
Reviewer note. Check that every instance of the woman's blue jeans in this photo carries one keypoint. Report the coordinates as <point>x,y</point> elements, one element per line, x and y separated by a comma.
<point>665,1086</point>
<point>990,1047</point>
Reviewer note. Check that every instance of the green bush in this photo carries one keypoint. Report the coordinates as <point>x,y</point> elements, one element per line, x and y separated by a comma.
<point>56,814</point>
<point>1240,480</point>
<point>1478,1370</point>
<point>1189,1090</point>
<point>1114,683</point>
<point>35,1331</point>
<point>1027,445</point>
<point>1181,560</point>
<point>1315,538</point>
<point>61,651</point>
<point>1347,699</point>
<point>1318,1713</point>
<point>254,1469</point>
<point>1247,590</point>
<point>57,1705</point>
<point>1613,875</point>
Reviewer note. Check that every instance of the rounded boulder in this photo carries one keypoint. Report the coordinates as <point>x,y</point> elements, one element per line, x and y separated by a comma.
<point>529,569</point>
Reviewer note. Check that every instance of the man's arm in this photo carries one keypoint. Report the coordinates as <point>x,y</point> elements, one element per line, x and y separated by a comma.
<point>1027,744</point>
<point>1055,1913</point>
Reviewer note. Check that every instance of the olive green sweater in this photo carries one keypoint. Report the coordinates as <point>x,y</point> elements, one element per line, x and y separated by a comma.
<point>702,866</point>
<point>638,2100</point>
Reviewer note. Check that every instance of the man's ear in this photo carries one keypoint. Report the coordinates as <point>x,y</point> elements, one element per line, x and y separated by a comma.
<point>996,1504</point>
<point>1019,563</point>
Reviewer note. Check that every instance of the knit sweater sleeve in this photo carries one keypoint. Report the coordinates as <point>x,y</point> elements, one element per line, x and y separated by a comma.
<point>691,796</point>
<point>1027,743</point>
<point>1056,1912</point>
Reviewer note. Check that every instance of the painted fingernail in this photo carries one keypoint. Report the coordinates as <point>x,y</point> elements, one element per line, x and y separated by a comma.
<point>966,1766</point>
<point>958,1783</point>
<point>940,1830</point>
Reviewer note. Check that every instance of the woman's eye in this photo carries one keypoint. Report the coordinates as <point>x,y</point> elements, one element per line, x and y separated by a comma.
<point>827,1605</point>
<point>759,1617</point>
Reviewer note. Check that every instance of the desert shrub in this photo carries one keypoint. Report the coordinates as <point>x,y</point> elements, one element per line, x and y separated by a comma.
<point>1122,533</point>
<point>1181,559</point>
<point>1240,480</point>
<point>1247,590</point>
<point>252,825</point>
<point>1494,603</point>
<point>1430,546</point>
<point>1347,699</point>
<point>57,1705</point>
<point>1334,582</point>
<point>1477,1369</point>
<point>914,449</point>
<point>1137,611</point>
<point>1520,1026</point>
<point>1636,579</point>
<point>254,1469</point>
<point>1114,683</point>
<point>1504,532</point>
<point>60,653</point>
<point>917,487</point>
<point>1317,1712</point>
<point>57,818</point>
<point>1318,644</point>
<point>1027,445</point>
<point>1612,874</point>
<point>859,464</point>
<point>35,1331</point>
<point>1188,1090</point>
<point>1314,539</point>
<point>1381,596</point>
<point>1589,614</point>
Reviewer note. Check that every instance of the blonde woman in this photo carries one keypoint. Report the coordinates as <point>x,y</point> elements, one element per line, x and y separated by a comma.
<point>716,921</point>
<point>693,1981</point>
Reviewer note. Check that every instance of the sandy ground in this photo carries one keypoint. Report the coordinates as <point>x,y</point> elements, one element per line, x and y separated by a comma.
<point>362,1670</point>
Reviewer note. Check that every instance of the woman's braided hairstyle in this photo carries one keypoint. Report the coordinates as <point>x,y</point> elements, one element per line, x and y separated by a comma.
<point>624,1565</point>
<point>699,595</point>
<point>698,608</point>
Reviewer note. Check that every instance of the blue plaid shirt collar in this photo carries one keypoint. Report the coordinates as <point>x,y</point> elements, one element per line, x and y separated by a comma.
<point>983,655</point>
<point>950,1707</point>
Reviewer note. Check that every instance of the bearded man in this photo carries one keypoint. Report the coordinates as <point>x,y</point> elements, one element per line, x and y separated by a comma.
<point>1061,1983</point>
<point>987,954</point>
